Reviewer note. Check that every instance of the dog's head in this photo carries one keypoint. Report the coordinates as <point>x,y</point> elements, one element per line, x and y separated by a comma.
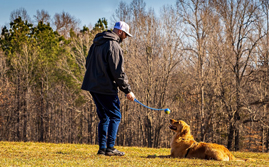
<point>180,127</point>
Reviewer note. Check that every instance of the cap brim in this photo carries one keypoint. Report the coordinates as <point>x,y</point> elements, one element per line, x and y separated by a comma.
<point>128,34</point>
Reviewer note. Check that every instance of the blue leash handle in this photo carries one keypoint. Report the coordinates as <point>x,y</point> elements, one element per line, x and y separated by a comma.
<point>148,106</point>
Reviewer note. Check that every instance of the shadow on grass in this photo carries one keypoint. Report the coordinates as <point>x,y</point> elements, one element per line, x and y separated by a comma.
<point>155,156</point>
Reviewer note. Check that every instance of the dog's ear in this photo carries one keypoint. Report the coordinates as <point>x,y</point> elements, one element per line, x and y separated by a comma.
<point>185,130</point>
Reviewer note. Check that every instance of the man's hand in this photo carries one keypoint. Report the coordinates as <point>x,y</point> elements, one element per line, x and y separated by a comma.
<point>130,96</point>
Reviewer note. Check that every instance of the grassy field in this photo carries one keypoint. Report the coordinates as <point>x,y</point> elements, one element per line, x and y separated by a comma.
<point>47,154</point>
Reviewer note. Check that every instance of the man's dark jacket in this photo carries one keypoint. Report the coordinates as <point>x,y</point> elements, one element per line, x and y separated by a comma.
<point>104,63</point>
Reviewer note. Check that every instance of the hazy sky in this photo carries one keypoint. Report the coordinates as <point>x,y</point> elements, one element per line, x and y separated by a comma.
<point>87,11</point>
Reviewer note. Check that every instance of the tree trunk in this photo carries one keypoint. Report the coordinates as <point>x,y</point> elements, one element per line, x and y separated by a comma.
<point>230,136</point>
<point>41,130</point>
<point>262,138</point>
<point>149,130</point>
<point>90,136</point>
<point>24,136</point>
<point>236,139</point>
<point>267,141</point>
<point>17,124</point>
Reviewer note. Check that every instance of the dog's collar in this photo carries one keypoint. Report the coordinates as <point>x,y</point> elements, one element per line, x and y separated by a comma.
<point>190,148</point>
<point>182,138</point>
<point>187,152</point>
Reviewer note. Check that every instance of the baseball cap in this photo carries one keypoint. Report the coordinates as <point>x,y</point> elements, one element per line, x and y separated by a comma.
<point>121,25</point>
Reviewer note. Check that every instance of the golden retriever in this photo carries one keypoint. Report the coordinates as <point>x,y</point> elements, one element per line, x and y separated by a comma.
<point>183,145</point>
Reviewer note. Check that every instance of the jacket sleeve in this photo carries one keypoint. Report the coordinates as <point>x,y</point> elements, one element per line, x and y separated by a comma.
<point>116,61</point>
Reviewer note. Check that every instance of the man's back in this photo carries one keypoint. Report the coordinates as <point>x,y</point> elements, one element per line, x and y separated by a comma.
<point>105,66</point>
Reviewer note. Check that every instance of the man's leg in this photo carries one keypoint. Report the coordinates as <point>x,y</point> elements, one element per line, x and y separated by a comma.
<point>114,114</point>
<point>103,124</point>
<point>111,106</point>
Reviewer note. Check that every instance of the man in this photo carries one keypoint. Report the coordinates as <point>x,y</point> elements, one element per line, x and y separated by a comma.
<point>104,75</point>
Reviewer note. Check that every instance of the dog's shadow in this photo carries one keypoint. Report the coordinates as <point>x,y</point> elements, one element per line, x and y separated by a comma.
<point>151,156</point>
<point>155,156</point>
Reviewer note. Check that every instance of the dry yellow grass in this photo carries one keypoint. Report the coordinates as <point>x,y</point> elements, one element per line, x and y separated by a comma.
<point>47,154</point>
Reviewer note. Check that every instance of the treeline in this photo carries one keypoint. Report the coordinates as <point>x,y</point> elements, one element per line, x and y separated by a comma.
<point>207,61</point>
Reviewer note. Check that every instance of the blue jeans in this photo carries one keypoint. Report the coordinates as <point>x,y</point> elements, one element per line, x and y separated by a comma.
<point>108,110</point>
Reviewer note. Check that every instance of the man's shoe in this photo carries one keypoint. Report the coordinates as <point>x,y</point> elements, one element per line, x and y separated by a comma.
<point>101,152</point>
<point>114,152</point>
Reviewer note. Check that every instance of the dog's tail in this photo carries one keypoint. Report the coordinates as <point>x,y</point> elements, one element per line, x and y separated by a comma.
<point>232,157</point>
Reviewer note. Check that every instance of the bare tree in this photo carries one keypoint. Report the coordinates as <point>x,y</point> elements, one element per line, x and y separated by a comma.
<point>42,16</point>
<point>20,13</point>
<point>239,17</point>
<point>64,22</point>
<point>260,100</point>
<point>196,16</point>
<point>123,13</point>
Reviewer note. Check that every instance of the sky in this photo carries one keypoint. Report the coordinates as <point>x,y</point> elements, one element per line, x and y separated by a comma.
<point>87,11</point>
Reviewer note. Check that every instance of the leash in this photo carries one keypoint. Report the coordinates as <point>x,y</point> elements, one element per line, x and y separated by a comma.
<point>166,110</point>
<point>148,106</point>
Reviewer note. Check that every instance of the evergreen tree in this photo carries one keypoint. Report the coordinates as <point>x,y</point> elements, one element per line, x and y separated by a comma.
<point>18,45</point>
<point>101,25</point>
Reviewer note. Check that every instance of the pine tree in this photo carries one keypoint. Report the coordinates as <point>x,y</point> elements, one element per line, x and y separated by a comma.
<point>18,46</point>
<point>101,25</point>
